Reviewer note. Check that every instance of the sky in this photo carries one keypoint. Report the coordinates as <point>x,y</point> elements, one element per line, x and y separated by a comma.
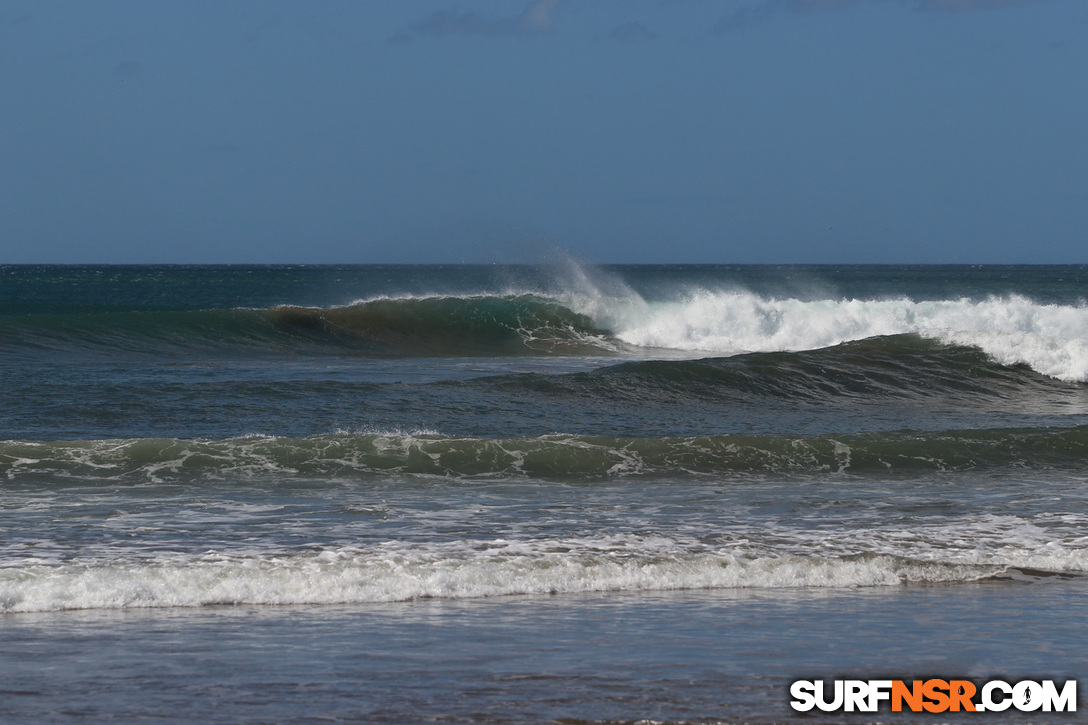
<point>620,131</point>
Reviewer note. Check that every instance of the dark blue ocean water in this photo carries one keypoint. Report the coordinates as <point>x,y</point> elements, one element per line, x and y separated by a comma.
<point>533,494</point>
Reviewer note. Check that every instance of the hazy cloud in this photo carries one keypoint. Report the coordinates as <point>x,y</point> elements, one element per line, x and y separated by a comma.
<point>633,31</point>
<point>751,14</point>
<point>963,6</point>
<point>537,17</point>
<point>817,6</point>
<point>741,18</point>
<point>761,11</point>
<point>540,14</point>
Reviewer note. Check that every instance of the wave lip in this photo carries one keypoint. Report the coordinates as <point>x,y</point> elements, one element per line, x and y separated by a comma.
<point>550,457</point>
<point>514,324</point>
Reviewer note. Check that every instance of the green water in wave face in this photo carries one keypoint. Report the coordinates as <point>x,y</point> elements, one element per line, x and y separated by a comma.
<point>219,352</point>
<point>770,472</point>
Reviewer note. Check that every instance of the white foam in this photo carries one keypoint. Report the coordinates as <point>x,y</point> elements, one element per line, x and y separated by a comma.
<point>1057,357</point>
<point>397,571</point>
<point>1052,339</point>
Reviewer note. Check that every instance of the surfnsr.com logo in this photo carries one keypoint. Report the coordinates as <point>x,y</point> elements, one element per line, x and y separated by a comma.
<point>934,695</point>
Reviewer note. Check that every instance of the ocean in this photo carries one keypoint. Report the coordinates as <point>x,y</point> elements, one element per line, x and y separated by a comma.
<point>554,494</point>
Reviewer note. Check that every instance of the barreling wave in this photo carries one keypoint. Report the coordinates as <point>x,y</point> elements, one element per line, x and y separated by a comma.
<point>1052,339</point>
<point>476,325</point>
<point>550,457</point>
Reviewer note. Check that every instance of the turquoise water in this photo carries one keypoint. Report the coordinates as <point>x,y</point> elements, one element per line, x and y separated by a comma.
<point>525,494</point>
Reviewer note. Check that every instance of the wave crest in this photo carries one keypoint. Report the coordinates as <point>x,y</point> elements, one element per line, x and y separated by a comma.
<point>477,325</point>
<point>1050,338</point>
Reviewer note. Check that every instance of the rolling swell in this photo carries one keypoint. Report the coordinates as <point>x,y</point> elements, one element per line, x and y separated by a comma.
<point>892,367</point>
<point>550,457</point>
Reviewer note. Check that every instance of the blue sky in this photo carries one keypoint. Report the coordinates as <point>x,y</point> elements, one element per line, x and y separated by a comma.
<point>783,131</point>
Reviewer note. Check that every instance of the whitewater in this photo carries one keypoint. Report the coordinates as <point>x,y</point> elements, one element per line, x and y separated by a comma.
<point>575,494</point>
<point>1052,339</point>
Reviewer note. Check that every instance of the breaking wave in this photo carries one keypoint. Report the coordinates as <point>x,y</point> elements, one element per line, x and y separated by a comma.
<point>397,571</point>
<point>1052,339</point>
